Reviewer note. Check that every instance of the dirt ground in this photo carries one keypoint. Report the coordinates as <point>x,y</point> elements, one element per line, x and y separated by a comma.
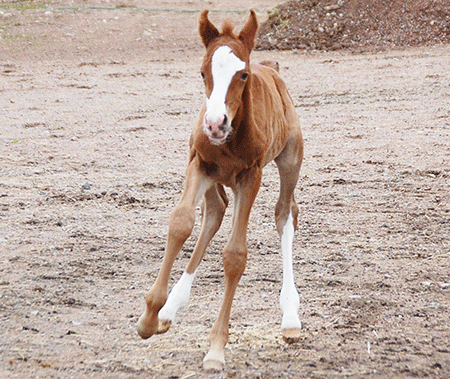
<point>357,25</point>
<point>96,108</point>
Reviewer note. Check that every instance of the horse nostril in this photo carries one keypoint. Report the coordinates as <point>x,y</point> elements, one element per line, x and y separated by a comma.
<point>224,123</point>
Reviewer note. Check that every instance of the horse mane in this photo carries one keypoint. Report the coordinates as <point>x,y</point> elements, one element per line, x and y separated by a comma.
<point>227,29</point>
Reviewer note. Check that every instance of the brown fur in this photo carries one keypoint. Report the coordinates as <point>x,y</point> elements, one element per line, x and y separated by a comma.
<point>265,128</point>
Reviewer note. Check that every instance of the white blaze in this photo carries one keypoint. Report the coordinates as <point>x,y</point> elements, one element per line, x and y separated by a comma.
<point>224,65</point>
<point>289,299</point>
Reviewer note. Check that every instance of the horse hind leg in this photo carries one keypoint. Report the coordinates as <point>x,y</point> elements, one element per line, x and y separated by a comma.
<point>213,209</point>
<point>286,213</point>
<point>289,297</point>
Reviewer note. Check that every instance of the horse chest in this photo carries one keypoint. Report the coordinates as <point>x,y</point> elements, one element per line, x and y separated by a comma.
<point>223,167</point>
<point>226,163</point>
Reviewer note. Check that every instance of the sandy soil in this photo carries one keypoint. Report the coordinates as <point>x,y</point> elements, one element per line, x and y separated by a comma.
<point>96,110</point>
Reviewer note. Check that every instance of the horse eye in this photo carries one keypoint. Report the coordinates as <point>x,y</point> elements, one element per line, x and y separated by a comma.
<point>244,76</point>
<point>203,75</point>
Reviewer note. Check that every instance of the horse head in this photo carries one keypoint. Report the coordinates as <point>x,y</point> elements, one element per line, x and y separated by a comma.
<point>226,72</point>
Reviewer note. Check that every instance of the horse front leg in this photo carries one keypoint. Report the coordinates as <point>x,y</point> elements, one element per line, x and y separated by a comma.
<point>234,262</point>
<point>181,224</point>
<point>213,209</point>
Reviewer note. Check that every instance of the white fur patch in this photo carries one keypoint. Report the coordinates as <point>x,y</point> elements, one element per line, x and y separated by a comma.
<point>289,298</point>
<point>224,65</point>
<point>178,297</point>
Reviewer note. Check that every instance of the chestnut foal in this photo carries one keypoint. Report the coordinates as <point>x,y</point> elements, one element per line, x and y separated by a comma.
<point>248,120</point>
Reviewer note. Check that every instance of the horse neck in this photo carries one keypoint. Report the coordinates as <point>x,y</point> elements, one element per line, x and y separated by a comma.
<point>247,135</point>
<point>244,117</point>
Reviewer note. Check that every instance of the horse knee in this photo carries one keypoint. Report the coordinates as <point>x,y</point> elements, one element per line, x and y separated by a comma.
<point>234,261</point>
<point>181,223</point>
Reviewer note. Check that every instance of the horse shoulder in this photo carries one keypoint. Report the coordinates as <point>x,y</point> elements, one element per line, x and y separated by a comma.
<point>274,108</point>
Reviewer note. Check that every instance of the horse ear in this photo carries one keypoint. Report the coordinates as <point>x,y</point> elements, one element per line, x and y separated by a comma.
<point>206,29</point>
<point>248,32</point>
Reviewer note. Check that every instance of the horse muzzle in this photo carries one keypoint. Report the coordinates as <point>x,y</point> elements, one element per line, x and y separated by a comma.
<point>217,130</point>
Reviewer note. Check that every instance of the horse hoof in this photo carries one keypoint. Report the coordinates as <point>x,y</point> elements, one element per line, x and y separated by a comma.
<point>212,366</point>
<point>143,332</point>
<point>163,326</point>
<point>145,327</point>
<point>291,336</point>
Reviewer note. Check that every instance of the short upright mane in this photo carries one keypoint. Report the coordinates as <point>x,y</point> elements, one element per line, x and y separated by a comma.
<point>227,29</point>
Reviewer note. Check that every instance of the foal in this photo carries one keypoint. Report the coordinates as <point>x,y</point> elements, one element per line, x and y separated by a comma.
<point>248,120</point>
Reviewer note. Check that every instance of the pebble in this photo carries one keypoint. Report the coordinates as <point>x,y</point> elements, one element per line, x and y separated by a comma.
<point>86,186</point>
<point>445,286</point>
